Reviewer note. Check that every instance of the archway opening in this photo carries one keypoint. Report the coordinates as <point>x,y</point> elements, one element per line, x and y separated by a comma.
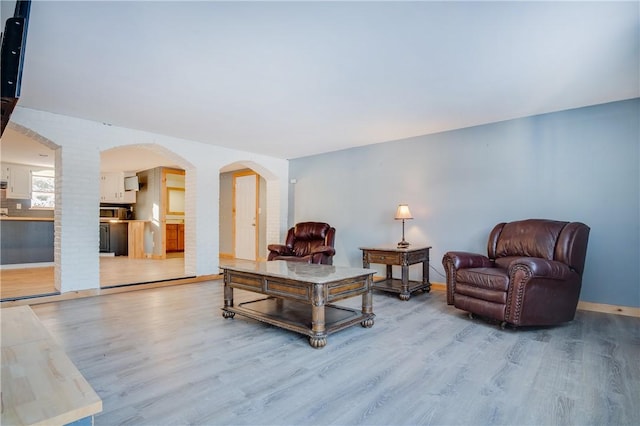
<point>28,194</point>
<point>236,239</point>
<point>153,212</point>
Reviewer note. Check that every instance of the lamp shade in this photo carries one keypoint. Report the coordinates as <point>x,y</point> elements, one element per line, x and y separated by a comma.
<point>403,212</point>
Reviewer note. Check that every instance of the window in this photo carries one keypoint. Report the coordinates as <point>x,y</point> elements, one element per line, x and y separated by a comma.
<point>43,189</point>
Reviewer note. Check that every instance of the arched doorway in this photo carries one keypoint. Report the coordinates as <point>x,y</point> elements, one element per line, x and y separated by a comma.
<point>27,198</point>
<point>265,216</point>
<point>159,213</point>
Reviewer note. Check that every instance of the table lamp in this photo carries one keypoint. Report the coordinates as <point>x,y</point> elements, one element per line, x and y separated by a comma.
<point>403,213</point>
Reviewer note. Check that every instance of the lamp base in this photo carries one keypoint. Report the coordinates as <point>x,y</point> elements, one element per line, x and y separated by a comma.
<point>403,244</point>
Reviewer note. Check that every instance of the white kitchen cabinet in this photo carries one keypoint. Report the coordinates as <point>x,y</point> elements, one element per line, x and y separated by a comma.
<point>18,181</point>
<point>129,197</point>
<point>109,187</point>
<point>112,189</point>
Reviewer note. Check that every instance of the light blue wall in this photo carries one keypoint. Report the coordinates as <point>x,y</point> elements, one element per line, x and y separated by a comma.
<point>577,165</point>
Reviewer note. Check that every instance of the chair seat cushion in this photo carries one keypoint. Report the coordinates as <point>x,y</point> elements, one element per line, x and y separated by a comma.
<point>486,278</point>
<point>480,294</point>
<point>479,306</point>
<point>301,259</point>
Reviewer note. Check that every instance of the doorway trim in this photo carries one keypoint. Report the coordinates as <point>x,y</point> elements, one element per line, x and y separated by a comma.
<point>237,175</point>
<point>273,225</point>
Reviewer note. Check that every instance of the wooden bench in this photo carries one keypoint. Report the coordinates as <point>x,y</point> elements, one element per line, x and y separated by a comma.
<point>40,384</point>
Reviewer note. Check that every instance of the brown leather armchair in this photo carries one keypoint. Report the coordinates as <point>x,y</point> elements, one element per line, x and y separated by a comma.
<point>310,242</point>
<point>531,277</point>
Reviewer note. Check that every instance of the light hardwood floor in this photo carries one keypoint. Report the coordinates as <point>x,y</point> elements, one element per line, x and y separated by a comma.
<point>167,356</point>
<point>26,282</point>
<point>114,271</point>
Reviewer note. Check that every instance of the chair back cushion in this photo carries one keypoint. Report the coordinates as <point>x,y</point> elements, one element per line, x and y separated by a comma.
<point>547,239</point>
<point>529,238</point>
<point>305,236</point>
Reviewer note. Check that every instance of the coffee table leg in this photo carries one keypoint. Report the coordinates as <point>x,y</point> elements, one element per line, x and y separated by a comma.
<point>318,325</point>
<point>367,308</point>
<point>228,301</point>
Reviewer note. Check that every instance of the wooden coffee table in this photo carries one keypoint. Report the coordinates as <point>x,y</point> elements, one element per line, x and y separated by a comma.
<point>300,296</point>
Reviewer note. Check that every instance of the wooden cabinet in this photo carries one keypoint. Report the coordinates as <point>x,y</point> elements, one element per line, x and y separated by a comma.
<point>181,237</point>
<point>174,237</point>
<point>112,189</point>
<point>171,237</point>
<point>18,181</point>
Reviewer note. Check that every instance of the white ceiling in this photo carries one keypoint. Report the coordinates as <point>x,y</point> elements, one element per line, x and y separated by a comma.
<point>291,79</point>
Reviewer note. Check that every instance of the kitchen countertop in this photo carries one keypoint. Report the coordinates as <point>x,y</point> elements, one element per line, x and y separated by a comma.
<point>24,218</point>
<point>50,219</point>
<point>108,220</point>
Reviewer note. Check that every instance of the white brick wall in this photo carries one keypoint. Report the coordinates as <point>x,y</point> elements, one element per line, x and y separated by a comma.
<point>78,186</point>
<point>76,217</point>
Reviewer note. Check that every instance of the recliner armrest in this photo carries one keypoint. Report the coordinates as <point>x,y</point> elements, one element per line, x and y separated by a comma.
<point>327,250</point>
<point>280,249</point>
<point>463,260</point>
<point>542,268</point>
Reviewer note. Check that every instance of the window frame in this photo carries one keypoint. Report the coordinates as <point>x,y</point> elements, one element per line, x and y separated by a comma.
<point>43,174</point>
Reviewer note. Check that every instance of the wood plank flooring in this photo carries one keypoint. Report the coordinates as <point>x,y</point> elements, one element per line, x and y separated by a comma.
<point>26,282</point>
<point>166,356</point>
<point>114,270</point>
<point>118,270</point>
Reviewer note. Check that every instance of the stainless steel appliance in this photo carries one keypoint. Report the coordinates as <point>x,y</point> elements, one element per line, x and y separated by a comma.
<point>114,238</point>
<point>121,213</point>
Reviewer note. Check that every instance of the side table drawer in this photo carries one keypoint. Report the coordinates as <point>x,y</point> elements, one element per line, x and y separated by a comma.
<point>419,256</point>
<point>384,258</point>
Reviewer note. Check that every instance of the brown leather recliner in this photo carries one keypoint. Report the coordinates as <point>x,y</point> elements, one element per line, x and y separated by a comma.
<point>531,277</point>
<point>310,242</point>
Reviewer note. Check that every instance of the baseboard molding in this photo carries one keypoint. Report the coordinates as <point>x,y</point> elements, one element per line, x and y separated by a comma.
<point>438,286</point>
<point>629,311</point>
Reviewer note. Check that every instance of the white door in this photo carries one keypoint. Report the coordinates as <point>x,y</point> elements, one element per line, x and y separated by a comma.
<point>245,214</point>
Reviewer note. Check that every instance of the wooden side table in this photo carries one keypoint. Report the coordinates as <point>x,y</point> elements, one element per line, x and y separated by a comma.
<point>403,257</point>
